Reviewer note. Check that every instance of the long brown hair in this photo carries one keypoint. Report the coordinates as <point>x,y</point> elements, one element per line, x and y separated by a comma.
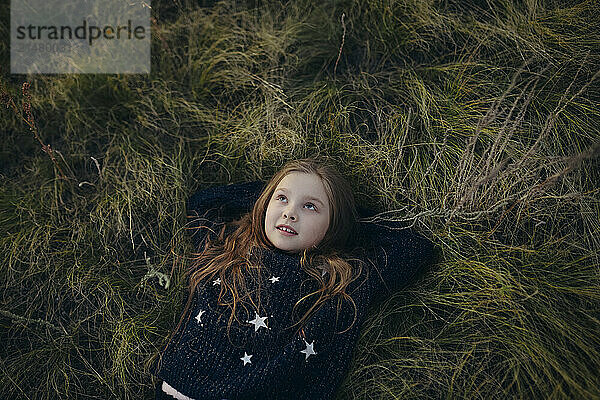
<point>235,258</point>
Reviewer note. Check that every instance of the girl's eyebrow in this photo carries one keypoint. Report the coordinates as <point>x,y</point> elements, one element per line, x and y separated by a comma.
<point>310,198</point>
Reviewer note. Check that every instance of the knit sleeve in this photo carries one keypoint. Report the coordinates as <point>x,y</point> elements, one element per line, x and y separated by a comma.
<point>395,255</point>
<point>208,209</point>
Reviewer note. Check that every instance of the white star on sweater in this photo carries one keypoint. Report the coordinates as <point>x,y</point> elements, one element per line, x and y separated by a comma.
<point>274,279</point>
<point>199,316</point>
<point>246,358</point>
<point>323,270</point>
<point>258,322</point>
<point>309,349</point>
<point>217,281</point>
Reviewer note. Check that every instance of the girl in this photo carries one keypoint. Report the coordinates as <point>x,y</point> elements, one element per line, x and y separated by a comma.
<point>277,296</point>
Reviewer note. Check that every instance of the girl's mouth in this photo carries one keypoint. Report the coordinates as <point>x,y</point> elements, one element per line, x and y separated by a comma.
<point>286,231</point>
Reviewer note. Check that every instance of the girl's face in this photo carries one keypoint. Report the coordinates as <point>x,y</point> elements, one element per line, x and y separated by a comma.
<point>299,202</point>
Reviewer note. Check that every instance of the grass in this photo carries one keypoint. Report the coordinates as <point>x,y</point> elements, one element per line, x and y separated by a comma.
<point>474,122</point>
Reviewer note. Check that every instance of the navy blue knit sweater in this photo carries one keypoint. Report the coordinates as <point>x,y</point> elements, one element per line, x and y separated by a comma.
<point>261,359</point>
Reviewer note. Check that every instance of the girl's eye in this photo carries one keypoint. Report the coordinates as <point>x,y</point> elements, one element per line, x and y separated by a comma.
<point>307,204</point>
<point>312,205</point>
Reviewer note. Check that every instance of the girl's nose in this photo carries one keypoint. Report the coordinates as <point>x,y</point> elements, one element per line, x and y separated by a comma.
<point>289,215</point>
